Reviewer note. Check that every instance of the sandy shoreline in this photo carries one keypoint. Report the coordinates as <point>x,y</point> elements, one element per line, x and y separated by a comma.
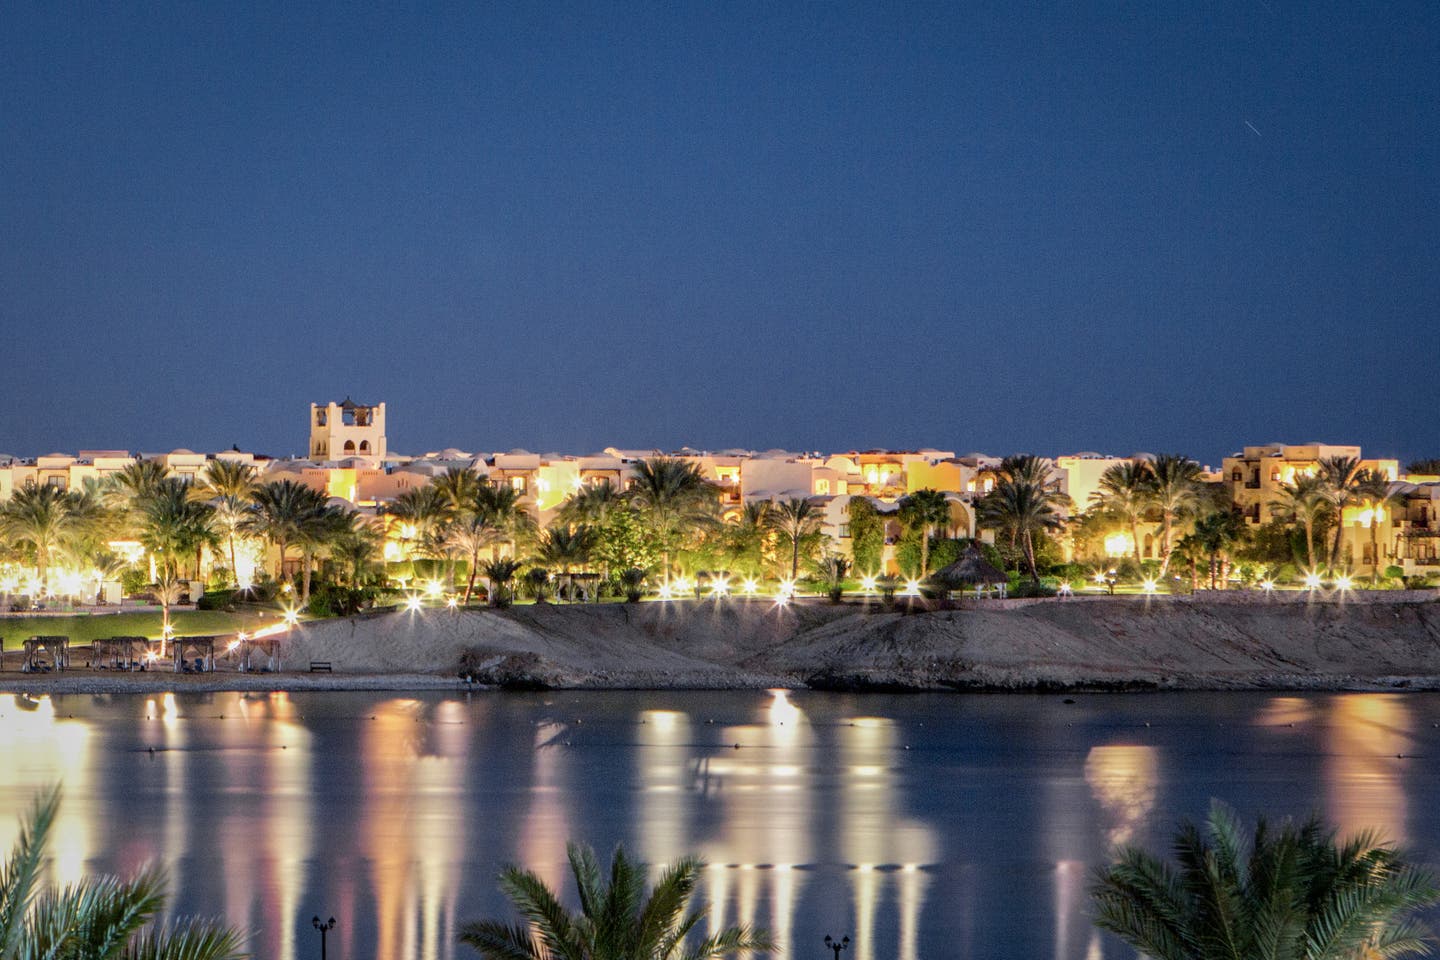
<point>1382,641</point>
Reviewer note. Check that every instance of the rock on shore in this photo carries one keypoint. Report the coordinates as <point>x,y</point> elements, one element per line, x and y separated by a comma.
<point>1216,642</point>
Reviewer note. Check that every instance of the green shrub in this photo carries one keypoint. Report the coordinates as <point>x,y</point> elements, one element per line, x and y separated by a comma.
<point>133,580</point>
<point>333,600</point>
<point>216,600</point>
<point>1029,588</point>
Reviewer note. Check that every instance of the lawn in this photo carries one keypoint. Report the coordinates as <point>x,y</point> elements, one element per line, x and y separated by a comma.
<point>83,628</point>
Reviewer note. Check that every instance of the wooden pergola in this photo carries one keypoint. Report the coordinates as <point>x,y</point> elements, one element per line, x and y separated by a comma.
<point>122,653</point>
<point>38,647</point>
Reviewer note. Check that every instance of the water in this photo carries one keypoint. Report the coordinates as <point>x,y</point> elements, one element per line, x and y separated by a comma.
<point>920,826</point>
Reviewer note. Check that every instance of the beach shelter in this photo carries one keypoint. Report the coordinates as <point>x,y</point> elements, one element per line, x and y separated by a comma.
<point>971,570</point>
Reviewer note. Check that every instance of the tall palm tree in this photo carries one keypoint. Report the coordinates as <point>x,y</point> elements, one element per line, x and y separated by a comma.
<point>38,515</point>
<point>227,485</point>
<point>675,499</point>
<point>1174,489</point>
<point>1286,893</point>
<point>503,506</point>
<point>471,535</point>
<point>617,919</point>
<point>1306,502</point>
<point>317,532</point>
<point>426,511</point>
<point>358,548</point>
<point>96,917</point>
<point>1342,477</point>
<point>794,521</point>
<point>280,512</point>
<point>1217,533</point>
<point>925,511</point>
<point>173,524</point>
<point>1379,496</point>
<point>1123,494</point>
<point>592,504</point>
<point>562,546</point>
<point>1023,504</point>
<point>500,573</point>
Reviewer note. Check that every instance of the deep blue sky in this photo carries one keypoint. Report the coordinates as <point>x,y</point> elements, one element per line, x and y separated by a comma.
<point>1002,226</point>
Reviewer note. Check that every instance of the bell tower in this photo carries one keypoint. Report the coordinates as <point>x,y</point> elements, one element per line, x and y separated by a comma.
<point>347,429</point>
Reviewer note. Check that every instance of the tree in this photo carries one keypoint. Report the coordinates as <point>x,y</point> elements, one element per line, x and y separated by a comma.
<point>1430,466</point>
<point>500,573</point>
<point>617,920</point>
<point>1286,893</point>
<point>280,513</point>
<point>173,524</point>
<point>746,537</point>
<point>591,503</point>
<point>1304,501</point>
<point>675,499</point>
<point>1123,495</point>
<point>925,511</point>
<point>1217,533</point>
<point>227,485</point>
<point>562,546</point>
<point>1022,505</point>
<point>794,521</point>
<point>501,505</point>
<point>1342,477</point>
<point>96,917</point>
<point>358,549</point>
<point>471,535</point>
<point>867,535</point>
<point>624,542</point>
<point>1379,495</point>
<point>1174,489</point>
<point>38,515</point>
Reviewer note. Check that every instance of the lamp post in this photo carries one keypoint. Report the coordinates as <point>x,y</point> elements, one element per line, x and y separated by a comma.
<point>327,926</point>
<point>837,945</point>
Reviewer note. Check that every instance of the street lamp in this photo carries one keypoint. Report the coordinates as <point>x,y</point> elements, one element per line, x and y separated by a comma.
<point>837,945</point>
<point>327,926</point>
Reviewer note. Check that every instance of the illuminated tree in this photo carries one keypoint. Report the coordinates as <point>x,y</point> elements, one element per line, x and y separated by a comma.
<point>923,512</point>
<point>1343,477</point>
<point>1305,501</point>
<point>1123,495</point>
<point>38,516</point>
<point>675,500</point>
<point>794,521</point>
<point>228,486</point>
<point>1174,490</point>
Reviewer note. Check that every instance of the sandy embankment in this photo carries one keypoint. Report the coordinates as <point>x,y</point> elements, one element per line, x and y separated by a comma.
<point>1217,642</point>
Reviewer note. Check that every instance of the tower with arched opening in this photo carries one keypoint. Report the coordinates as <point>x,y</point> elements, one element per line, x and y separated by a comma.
<point>347,429</point>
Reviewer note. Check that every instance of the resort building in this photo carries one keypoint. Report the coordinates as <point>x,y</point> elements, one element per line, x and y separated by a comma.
<point>347,429</point>
<point>1255,476</point>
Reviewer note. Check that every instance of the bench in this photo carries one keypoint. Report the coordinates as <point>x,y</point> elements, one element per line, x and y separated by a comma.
<point>320,666</point>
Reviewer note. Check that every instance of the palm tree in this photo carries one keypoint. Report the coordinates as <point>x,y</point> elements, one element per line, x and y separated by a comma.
<point>1123,493</point>
<point>1342,477</point>
<point>358,547</point>
<point>38,515</point>
<point>280,512</point>
<point>502,506</point>
<point>228,486</point>
<point>500,573</point>
<point>591,503</point>
<point>675,499</point>
<point>925,511</point>
<point>173,524</point>
<point>562,546</point>
<point>794,521</point>
<point>746,536</point>
<point>471,535</point>
<point>1286,893</point>
<point>617,920</point>
<point>1379,495</point>
<point>1306,502</point>
<point>425,511</point>
<point>96,917</point>
<point>315,535</point>
<point>1217,533</point>
<point>1023,504</point>
<point>1174,490</point>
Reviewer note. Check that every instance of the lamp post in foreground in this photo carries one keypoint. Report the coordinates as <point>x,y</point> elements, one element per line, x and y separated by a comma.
<point>837,945</point>
<point>327,926</point>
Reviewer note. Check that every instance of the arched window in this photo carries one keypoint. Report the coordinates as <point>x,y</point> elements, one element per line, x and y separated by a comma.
<point>364,446</point>
<point>1149,545</point>
<point>349,446</point>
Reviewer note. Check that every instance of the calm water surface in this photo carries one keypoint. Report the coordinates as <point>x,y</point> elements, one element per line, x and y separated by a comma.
<point>921,826</point>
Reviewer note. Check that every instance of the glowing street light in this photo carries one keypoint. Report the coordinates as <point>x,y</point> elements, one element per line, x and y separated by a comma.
<point>433,588</point>
<point>1267,585</point>
<point>912,589</point>
<point>412,603</point>
<point>1312,581</point>
<point>750,586</point>
<point>1149,586</point>
<point>719,587</point>
<point>1344,582</point>
<point>666,592</point>
<point>292,616</point>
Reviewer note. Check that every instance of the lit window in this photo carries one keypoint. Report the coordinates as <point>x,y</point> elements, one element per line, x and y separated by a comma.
<point>517,484</point>
<point>822,487</point>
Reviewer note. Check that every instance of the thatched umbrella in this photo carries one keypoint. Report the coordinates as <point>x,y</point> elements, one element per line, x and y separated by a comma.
<point>971,570</point>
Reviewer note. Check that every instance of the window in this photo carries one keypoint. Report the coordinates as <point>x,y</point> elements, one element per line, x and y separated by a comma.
<point>822,487</point>
<point>364,446</point>
<point>349,446</point>
<point>842,487</point>
<point>517,484</point>
<point>844,531</point>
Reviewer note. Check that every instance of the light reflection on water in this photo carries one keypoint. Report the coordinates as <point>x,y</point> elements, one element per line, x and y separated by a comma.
<point>919,826</point>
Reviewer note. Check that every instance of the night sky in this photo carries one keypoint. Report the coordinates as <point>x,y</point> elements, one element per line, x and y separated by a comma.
<point>1008,226</point>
